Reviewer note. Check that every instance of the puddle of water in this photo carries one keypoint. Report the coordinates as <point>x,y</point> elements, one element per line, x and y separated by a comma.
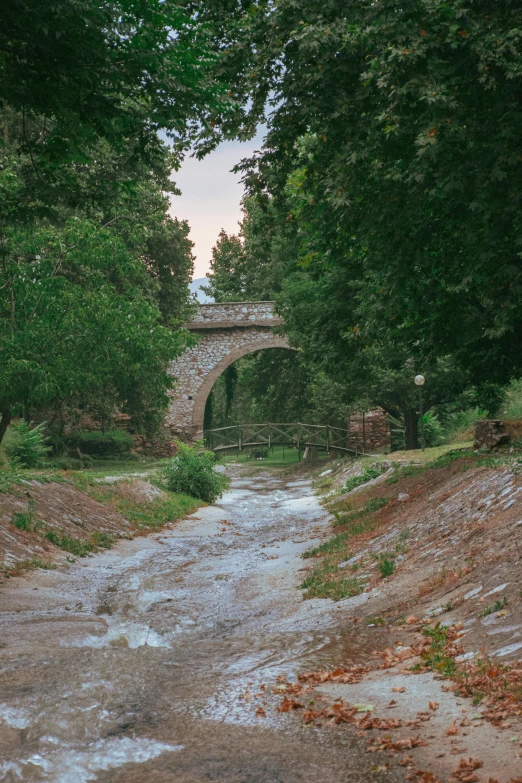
<point>58,764</point>
<point>17,719</point>
<point>132,635</point>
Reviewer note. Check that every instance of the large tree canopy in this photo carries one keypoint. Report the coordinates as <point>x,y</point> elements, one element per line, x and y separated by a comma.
<point>112,69</point>
<point>93,271</point>
<point>412,171</point>
<point>81,325</point>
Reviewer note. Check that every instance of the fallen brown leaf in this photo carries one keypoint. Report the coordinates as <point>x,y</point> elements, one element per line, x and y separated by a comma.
<point>465,770</point>
<point>289,704</point>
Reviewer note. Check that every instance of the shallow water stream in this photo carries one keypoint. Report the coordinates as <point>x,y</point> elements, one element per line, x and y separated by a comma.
<point>147,663</point>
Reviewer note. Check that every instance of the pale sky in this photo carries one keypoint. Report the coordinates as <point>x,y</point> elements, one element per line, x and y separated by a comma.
<point>211,197</point>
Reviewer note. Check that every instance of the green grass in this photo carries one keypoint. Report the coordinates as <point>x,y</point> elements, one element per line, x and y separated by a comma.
<point>149,515</point>
<point>386,564</point>
<point>10,478</point>
<point>368,474</point>
<point>320,584</point>
<point>122,467</point>
<point>278,456</point>
<point>143,516</point>
<point>13,569</point>
<point>335,544</point>
<point>375,504</point>
<point>435,657</point>
<point>75,546</point>
<point>22,520</point>
<point>496,607</point>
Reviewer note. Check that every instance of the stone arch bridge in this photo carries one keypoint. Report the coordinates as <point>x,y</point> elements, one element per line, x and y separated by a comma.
<point>226,333</point>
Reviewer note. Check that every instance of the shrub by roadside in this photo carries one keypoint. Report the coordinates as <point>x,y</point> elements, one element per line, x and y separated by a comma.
<point>192,472</point>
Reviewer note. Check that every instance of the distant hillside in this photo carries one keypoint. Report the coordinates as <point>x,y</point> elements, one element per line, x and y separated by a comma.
<point>195,287</point>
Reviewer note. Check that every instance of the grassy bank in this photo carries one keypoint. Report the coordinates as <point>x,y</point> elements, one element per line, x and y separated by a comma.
<point>50,517</point>
<point>365,497</point>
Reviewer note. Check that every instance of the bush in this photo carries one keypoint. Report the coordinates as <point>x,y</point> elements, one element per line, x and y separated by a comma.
<point>192,472</point>
<point>113,443</point>
<point>24,446</point>
<point>434,432</point>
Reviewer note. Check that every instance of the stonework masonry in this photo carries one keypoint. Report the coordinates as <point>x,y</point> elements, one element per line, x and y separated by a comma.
<point>370,431</point>
<point>225,332</point>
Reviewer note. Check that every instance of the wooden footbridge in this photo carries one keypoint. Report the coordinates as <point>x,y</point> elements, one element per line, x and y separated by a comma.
<point>294,435</point>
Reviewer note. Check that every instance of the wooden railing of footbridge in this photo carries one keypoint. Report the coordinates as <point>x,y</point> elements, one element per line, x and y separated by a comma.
<point>295,435</point>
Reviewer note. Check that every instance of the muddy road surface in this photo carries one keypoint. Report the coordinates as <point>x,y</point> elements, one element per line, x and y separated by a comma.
<point>157,661</point>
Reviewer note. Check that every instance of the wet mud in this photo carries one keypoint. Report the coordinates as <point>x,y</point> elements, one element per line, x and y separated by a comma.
<point>156,661</point>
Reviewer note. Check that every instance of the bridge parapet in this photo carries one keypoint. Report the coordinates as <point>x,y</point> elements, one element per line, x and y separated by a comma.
<point>234,315</point>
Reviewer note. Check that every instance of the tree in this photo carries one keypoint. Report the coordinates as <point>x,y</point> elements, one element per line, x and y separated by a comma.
<point>83,71</point>
<point>81,325</point>
<point>226,279</point>
<point>341,338</point>
<point>85,90</point>
<point>412,114</point>
<point>170,263</point>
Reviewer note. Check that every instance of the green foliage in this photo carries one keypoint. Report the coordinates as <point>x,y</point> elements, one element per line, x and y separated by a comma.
<point>81,289</point>
<point>76,546</point>
<point>146,516</point>
<point>68,463</point>
<point>511,406</point>
<point>436,657</point>
<point>320,583</point>
<point>375,504</point>
<point>94,271</point>
<point>102,540</point>
<point>113,443</point>
<point>22,520</point>
<point>111,71</point>
<point>26,446</point>
<point>495,607</point>
<point>386,564</point>
<point>406,262</point>
<point>192,472</point>
<point>13,569</point>
<point>335,544</point>
<point>368,474</point>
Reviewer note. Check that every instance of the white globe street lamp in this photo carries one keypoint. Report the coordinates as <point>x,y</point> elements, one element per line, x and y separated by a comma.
<point>419,381</point>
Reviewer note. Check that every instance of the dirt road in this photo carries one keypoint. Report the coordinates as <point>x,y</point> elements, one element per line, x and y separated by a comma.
<point>156,661</point>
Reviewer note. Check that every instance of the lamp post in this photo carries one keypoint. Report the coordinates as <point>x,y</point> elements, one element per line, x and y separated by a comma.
<point>419,381</point>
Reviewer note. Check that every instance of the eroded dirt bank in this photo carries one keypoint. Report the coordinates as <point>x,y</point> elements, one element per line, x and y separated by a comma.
<point>432,555</point>
<point>156,661</point>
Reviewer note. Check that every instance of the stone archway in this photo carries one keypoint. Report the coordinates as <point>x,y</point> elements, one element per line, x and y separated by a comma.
<point>226,333</point>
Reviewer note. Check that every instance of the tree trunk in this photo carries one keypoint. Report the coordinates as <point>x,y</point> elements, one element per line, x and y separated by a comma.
<point>4,422</point>
<point>411,429</point>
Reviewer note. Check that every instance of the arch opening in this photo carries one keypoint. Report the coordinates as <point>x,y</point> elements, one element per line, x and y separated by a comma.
<point>198,415</point>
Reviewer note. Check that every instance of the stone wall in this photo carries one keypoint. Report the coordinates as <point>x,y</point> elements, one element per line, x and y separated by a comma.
<point>234,315</point>
<point>370,431</point>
